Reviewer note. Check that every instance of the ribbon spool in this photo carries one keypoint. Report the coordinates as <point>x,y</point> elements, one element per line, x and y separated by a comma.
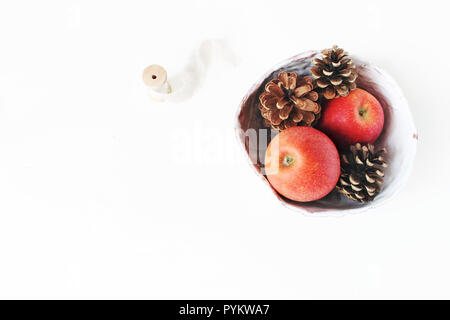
<point>185,82</point>
<point>155,78</point>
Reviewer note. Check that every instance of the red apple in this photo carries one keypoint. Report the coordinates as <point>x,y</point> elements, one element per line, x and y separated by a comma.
<point>357,117</point>
<point>302,164</point>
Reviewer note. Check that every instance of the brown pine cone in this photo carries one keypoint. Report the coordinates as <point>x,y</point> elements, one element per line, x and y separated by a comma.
<point>288,101</point>
<point>334,74</point>
<point>361,173</point>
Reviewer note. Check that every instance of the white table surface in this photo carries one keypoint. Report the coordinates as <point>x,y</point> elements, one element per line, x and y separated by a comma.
<point>98,198</point>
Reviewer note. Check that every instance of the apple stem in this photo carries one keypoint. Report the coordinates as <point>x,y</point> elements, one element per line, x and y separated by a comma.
<point>288,160</point>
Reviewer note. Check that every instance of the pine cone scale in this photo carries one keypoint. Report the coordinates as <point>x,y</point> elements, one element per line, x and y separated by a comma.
<point>302,90</point>
<point>322,83</point>
<point>309,105</point>
<point>312,95</point>
<point>329,93</point>
<point>345,72</point>
<point>297,116</point>
<point>282,103</point>
<point>308,117</point>
<point>274,89</point>
<point>284,113</point>
<point>275,116</point>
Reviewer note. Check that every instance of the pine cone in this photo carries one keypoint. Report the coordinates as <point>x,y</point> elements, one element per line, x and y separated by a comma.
<point>288,101</point>
<point>334,74</point>
<point>361,173</point>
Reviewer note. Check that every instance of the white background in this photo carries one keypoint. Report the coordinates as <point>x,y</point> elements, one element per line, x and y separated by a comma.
<point>97,202</point>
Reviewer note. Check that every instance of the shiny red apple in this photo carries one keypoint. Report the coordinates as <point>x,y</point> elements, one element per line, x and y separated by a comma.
<point>357,117</point>
<point>302,164</point>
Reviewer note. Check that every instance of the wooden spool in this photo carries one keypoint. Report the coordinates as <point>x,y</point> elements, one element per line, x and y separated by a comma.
<point>155,77</point>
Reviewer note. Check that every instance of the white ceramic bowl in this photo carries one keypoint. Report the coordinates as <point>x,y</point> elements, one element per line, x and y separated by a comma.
<point>399,135</point>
